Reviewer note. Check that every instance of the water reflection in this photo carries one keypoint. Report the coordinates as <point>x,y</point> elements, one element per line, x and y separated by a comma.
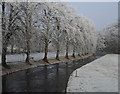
<point>52,78</point>
<point>46,78</point>
<point>57,77</point>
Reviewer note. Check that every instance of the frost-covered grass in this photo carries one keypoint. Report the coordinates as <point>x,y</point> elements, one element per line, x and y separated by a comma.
<point>100,75</point>
<point>36,56</point>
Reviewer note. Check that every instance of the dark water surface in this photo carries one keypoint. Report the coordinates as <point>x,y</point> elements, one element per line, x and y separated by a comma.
<point>51,78</point>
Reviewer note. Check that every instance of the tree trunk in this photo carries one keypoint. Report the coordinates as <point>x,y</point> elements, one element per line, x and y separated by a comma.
<point>83,51</point>
<point>79,54</point>
<point>4,44</point>
<point>66,56</point>
<point>28,35</point>
<point>46,51</point>
<point>12,46</point>
<point>73,55</point>
<point>4,52</point>
<point>57,54</point>
<point>28,53</point>
<point>18,50</point>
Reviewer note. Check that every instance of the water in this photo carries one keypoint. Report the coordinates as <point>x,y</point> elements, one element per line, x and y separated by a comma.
<point>51,78</point>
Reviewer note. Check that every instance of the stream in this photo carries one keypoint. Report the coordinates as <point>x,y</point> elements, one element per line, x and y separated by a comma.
<point>51,78</point>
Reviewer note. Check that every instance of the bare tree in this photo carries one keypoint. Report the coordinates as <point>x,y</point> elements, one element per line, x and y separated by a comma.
<point>27,11</point>
<point>9,18</point>
<point>46,24</point>
<point>4,44</point>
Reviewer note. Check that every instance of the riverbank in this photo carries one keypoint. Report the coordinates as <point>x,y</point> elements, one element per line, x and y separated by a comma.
<point>100,75</point>
<point>19,66</point>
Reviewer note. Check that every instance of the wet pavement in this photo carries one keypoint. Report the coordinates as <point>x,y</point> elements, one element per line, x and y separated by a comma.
<point>51,78</point>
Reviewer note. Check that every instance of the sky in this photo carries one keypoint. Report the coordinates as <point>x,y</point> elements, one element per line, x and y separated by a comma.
<point>101,13</point>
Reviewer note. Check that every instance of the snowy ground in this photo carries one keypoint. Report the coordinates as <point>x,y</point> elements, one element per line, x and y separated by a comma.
<point>37,56</point>
<point>100,75</point>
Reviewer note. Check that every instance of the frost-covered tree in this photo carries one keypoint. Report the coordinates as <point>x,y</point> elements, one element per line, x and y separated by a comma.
<point>61,24</point>
<point>85,35</point>
<point>57,37</point>
<point>25,17</point>
<point>9,26</point>
<point>38,25</point>
<point>68,30</point>
<point>45,23</point>
<point>100,42</point>
<point>109,39</point>
<point>76,35</point>
<point>89,36</point>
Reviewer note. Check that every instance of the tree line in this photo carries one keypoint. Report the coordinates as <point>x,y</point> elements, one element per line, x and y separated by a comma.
<point>108,39</point>
<point>34,26</point>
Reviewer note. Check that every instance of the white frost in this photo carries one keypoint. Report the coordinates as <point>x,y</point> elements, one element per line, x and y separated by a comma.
<point>100,75</point>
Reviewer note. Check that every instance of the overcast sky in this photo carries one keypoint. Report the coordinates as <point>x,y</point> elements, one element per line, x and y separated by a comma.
<point>101,13</point>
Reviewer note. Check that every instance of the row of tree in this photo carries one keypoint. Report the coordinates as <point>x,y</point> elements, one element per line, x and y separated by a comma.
<point>108,40</point>
<point>30,26</point>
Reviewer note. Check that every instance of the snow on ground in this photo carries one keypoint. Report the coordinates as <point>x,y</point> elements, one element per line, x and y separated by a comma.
<point>22,57</point>
<point>100,75</point>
